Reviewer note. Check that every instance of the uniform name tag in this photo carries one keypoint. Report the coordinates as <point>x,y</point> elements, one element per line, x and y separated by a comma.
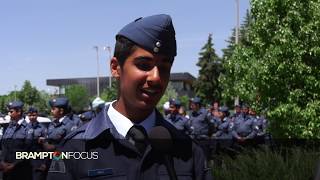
<point>100,172</point>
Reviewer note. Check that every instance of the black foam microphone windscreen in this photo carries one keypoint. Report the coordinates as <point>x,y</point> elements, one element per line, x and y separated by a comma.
<point>160,139</point>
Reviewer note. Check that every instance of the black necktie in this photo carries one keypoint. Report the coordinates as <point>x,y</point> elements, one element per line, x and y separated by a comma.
<point>138,136</point>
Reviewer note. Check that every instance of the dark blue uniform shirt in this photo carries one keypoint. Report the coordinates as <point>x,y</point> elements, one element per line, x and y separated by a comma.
<point>179,121</point>
<point>119,159</point>
<point>35,131</point>
<point>224,129</point>
<point>58,130</point>
<point>14,139</point>
<point>244,126</point>
<point>199,122</point>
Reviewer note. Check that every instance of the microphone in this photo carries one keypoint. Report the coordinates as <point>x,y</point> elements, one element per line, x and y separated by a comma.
<point>161,141</point>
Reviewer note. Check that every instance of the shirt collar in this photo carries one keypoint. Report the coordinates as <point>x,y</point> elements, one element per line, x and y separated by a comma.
<point>102,121</point>
<point>61,119</point>
<point>120,122</point>
<point>20,121</point>
<point>123,124</point>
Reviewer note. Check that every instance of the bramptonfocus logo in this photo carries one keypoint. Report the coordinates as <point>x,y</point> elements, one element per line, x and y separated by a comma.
<point>57,155</point>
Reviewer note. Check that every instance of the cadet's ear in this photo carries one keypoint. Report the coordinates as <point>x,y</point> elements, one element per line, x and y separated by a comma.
<point>61,111</point>
<point>115,68</point>
<point>19,112</point>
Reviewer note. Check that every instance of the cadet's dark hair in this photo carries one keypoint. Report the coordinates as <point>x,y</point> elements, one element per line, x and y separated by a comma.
<point>123,49</point>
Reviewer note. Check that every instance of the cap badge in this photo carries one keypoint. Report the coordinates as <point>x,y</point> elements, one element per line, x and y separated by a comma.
<point>155,49</point>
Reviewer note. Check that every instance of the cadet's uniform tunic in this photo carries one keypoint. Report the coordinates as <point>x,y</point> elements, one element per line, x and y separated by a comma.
<point>180,122</point>
<point>119,159</point>
<point>199,123</point>
<point>14,140</point>
<point>244,126</point>
<point>58,129</point>
<point>35,130</point>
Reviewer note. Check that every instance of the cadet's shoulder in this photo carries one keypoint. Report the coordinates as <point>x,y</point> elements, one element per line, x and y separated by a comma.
<point>203,111</point>
<point>183,118</point>
<point>66,120</point>
<point>24,125</point>
<point>77,133</point>
<point>175,133</point>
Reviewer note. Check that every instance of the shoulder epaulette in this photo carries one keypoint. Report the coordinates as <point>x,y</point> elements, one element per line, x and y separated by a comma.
<point>76,132</point>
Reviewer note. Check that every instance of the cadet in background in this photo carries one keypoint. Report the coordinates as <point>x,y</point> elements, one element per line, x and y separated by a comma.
<point>198,120</point>
<point>214,120</point>
<point>237,111</point>
<point>15,140</point>
<point>175,118</point>
<point>61,124</point>
<point>224,130</point>
<point>35,132</point>
<point>243,126</point>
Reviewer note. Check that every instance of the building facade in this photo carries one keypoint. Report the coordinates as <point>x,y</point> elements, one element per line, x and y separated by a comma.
<point>181,82</point>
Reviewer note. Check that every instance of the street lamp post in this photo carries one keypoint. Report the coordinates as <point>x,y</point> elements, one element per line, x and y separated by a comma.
<point>236,100</point>
<point>15,92</point>
<point>237,20</point>
<point>108,48</point>
<point>98,74</point>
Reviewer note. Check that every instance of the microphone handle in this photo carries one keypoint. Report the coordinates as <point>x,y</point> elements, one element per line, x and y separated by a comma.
<point>169,164</point>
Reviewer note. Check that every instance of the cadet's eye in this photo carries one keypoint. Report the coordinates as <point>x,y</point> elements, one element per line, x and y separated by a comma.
<point>144,66</point>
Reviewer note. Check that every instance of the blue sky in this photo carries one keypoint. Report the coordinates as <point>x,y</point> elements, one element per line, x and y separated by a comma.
<point>49,39</point>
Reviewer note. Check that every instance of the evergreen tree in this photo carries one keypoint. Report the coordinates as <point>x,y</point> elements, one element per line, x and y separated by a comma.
<point>243,37</point>
<point>207,86</point>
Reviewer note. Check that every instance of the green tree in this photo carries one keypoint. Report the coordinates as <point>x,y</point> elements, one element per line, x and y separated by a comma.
<point>28,94</point>
<point>207,85</point>
<point>78,97</point>
<point>228,82</point>
<point>169,93</point>
<point>110,94</point>
<point>279,69</point>
<point>4,100</point>
<point>184,101</point>
<point>42,104</point>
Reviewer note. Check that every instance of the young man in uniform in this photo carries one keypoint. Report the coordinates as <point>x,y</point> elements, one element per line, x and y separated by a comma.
<point>126,133</point>
<point>178,120</point>
<point>35,132</point>
<point>15,140</point>
<point>61,124</point>
<point>198,118</point>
